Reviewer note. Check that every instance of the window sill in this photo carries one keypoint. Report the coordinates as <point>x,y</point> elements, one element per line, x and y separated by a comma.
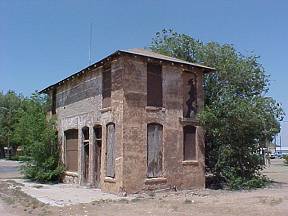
<point>192,121</point>
<point>157,180</point>
<point>73,174</point>
<point>190,162</point>
<point>106,109</point>
<point>155,109</point>
<point>109,179</point>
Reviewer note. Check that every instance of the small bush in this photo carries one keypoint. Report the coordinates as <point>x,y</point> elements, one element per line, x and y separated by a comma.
<point>43,158</point>
<point>239,183</point>
<point>48,171</point>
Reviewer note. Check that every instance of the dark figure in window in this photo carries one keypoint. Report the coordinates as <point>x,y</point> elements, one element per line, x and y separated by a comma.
<point>192,100</point>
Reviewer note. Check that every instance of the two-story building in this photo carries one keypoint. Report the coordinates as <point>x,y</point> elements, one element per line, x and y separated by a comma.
<point>128,122</point>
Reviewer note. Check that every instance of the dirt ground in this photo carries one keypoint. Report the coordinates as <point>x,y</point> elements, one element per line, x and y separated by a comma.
<point>272,200</point>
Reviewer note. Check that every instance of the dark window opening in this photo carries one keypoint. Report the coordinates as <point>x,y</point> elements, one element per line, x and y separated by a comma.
<point>189,144</point>
<point>189,95</point>
<point>154,85</point>
<point>154,150</point>
<point>110,150</point>
<point>97,150</point>
<point>54,101</point>
<point>106,86</point>
<point>71,141</point>
<point>85,132</point>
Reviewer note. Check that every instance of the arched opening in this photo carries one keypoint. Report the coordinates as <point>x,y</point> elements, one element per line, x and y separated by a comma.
<point>154,150</point>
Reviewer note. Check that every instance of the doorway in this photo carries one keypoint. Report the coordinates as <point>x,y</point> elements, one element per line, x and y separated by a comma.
<point>85,132</point>
<point>71,150</point>
<point>97,148</point>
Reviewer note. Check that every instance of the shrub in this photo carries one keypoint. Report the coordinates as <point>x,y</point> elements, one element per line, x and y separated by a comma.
<point>38,136</point>
<point>257,181</point>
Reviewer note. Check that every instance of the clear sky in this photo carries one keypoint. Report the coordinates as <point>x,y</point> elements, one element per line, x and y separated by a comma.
<point>43,41</point>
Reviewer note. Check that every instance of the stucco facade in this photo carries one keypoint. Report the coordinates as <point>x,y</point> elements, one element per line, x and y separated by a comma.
<point>78,104</point>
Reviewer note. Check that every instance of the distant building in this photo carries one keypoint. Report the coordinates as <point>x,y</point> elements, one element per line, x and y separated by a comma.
<point>128,122</point>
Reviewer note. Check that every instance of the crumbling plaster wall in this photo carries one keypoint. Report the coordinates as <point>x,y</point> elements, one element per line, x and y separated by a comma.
<point>131,115</point>
<point>87,111</point>
<point>183,174</point>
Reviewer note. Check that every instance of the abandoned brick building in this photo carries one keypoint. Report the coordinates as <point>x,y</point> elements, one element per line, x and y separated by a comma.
<point>127,122</point>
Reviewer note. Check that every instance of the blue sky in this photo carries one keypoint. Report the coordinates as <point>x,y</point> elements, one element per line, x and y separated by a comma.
<point>43,41</point>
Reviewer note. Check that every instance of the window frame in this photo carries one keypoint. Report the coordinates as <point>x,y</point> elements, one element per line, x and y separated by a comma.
<point>161,149</point>
<point>106,86</point>
<point>77,149</point>
<point>110,173</point>
<point>154,100</point>
<point>187,96</point>
<point>193,156</point>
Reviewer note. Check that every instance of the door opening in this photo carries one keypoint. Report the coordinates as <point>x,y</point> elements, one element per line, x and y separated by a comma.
<point>85,132</point>
<point>97,147</point>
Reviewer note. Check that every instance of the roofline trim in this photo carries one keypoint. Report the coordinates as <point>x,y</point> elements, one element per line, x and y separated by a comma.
<point>90,67</point>
<point>102,61</point>
<point>175,60</point>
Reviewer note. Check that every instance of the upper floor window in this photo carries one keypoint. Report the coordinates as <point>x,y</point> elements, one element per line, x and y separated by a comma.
<point>154,85</point>
<point>53,109</point>
<point>106,86</point>
<point>189,94</point>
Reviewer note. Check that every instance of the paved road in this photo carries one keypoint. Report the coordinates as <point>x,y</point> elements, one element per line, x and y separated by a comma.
<point>9,169</point>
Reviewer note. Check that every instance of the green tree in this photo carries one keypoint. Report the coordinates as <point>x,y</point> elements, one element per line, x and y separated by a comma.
<point>9,105</point>
<point>239,117</point>
<point>39,140</point>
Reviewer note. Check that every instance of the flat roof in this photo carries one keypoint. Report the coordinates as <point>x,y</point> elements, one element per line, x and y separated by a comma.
<point>137,51</point>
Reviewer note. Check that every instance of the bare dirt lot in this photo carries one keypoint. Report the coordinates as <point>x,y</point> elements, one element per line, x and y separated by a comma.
<point>272,200</point>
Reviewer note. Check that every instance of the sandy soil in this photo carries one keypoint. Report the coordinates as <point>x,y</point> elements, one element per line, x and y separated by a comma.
<point>270,201</point>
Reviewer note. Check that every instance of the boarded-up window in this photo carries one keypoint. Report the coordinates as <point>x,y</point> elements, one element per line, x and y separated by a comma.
<point>189,95</point>
<point>110,150</point>
<point>154,85</point>
<point>189,142</point>
<point>106,86</point>
<point>154,150</point>
<point>72,150</point>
